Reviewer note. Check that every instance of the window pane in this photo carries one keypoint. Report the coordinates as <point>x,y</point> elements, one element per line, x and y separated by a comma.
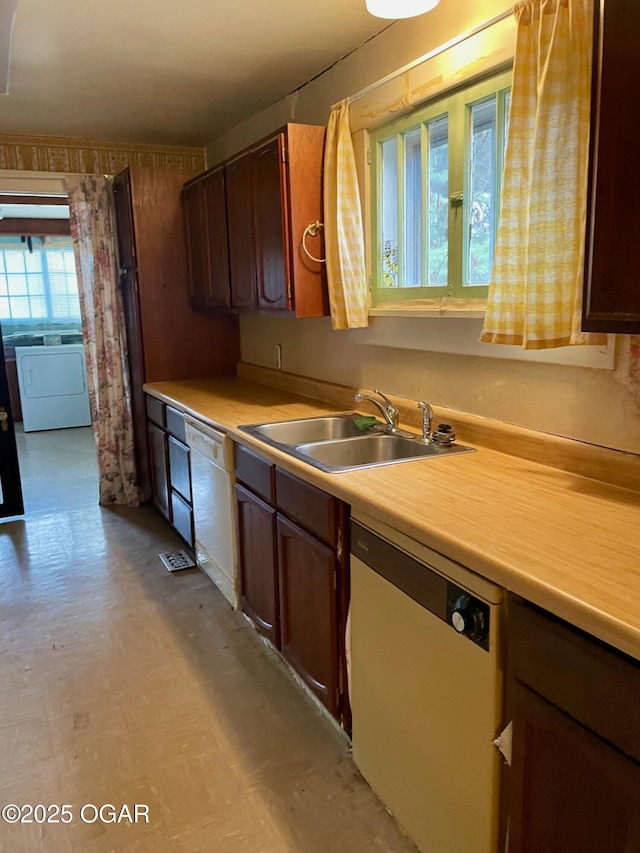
<point>14,261</point>
<point>412,208</point>
<point>481,211</point>
<point>17,285</point>
<point>36,284</point>
<point>55,260</point>
<point>69,261</point>
<point>74,306</point>
<point>19,307</point>
<point>38,306</point>
<point>390,213</point>
<point>5,314</point>
<point>438,178</point>
<point>33,261</point>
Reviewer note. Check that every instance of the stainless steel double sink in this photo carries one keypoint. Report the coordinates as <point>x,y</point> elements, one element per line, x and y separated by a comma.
<point>336,443</point>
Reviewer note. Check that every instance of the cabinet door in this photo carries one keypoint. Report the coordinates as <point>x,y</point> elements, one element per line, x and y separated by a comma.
<point>257,562</point>
<point>195,221</point>
<point>570,790</point>
<point>240,220</point>
<point>308,621</point>
<point>213,187</point>
<point>272,242</point>
<point>612,295</point>
<point>158,456</point>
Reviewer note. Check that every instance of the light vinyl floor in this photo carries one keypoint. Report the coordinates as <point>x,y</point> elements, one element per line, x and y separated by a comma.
<point>121,683</point>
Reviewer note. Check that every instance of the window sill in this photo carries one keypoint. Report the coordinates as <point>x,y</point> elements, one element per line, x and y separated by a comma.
<point>454,308</point>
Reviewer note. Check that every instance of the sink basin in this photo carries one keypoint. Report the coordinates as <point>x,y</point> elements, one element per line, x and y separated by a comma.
<point>370,451</point>
<point>305,430</point>
<point>334,443</point>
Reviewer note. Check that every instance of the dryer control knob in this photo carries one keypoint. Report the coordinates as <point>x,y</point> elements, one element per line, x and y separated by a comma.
<point>468,619</point>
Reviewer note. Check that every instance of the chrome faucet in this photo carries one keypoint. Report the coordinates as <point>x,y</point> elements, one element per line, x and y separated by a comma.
<point>388,410</point>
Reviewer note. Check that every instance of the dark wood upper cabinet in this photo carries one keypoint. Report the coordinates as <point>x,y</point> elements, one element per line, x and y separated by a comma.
<point>274,191</point>
<point>272,249</point>
<point>240,214</point>
<point>205,209</point>
<point>612,259</point>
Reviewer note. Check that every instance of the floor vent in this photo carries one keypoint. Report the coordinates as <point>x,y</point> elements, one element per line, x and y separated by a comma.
<point>176,560</point>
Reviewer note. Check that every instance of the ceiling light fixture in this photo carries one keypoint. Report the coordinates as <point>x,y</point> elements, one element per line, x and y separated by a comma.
<point>400,8</point>
<point>7,20</point>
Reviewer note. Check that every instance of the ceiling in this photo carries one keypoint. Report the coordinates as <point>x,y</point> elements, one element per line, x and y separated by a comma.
<point>179,73</point>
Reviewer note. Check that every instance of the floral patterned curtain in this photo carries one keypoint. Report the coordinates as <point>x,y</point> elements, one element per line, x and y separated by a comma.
<point>93,233</point>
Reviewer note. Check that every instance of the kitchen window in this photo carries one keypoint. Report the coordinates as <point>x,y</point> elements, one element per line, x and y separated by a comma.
<point>436,177</point>
<point>38,281</point>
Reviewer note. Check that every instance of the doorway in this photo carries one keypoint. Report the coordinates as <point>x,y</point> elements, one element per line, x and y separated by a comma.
<point>41,339</point>
<point>58,468</point>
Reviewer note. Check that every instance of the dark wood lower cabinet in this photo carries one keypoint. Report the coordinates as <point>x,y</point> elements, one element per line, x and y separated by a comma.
<point>170,466</point>
<point>574,781</point>
<point>256,522</point>
<point>293,561</point>
<point>307,571</point>
<point>571,791</point>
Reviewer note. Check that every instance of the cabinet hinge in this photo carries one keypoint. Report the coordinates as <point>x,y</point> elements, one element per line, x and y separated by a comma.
<point>368,156</point>
<point>339,545</point>
<point>284,153</point>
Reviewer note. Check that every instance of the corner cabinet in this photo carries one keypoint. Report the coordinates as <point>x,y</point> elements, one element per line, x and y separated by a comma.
<point>574,782</point>
<point>274,191</point>
<point>612,259</point>
<point>293,574</point>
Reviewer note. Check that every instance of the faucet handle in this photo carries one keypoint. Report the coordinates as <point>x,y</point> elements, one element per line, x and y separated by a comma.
<point>428,418</point>
<point>391,409</point>
<point>387,401</point>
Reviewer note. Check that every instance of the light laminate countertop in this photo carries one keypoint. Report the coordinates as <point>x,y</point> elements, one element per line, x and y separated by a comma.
<point>566,543</point>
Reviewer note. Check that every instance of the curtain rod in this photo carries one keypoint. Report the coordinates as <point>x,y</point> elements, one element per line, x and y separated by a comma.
<point>431,54</point>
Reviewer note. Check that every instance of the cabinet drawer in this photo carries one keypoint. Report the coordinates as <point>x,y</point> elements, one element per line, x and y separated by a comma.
<point>255,472</point>
<point>155,411</point>
<point>577,673</point>
<point>312,508</point>
<point>175,422</point>
<point>179,472</point>
<point>182,517</point>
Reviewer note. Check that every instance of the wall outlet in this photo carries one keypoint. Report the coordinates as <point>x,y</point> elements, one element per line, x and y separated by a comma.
<point>278,357</point>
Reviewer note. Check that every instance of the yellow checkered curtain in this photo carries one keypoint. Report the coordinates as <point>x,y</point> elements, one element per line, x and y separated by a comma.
<point>343,236</point>
<point>535,295</point>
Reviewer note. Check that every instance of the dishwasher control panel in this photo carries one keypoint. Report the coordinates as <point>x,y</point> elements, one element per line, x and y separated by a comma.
<point>464,612</point>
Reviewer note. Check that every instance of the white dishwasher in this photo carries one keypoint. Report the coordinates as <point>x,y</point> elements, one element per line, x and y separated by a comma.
<point>425,688</point>
<point>212,495</point>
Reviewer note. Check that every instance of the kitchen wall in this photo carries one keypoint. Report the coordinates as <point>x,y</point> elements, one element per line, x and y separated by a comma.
<point>601,406</point>
<point>90,156</point>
